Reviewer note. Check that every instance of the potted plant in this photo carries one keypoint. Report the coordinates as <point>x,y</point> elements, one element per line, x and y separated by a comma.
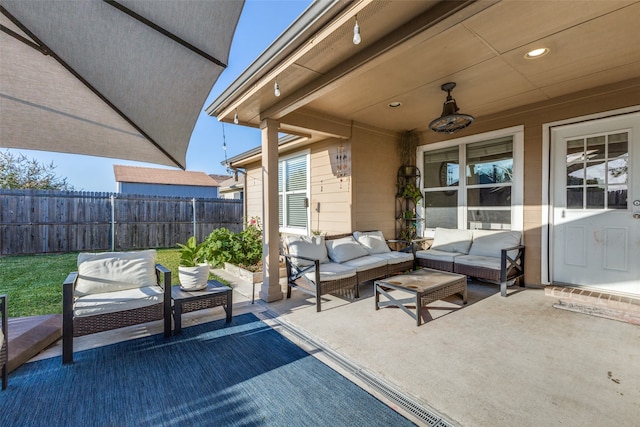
<point>410,191</point>
<point>193,271</point>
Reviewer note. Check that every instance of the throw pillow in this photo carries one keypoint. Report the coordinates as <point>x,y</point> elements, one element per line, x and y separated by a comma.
<point>345,249</point>
<point>309,247</point>
<point>373,241</point>
<point>115,271</point>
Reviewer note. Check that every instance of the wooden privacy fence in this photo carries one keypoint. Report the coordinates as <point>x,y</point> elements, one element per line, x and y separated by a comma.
<point>39,221</point>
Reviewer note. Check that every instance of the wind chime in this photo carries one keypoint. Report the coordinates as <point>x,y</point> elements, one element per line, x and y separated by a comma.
<point>342,163</point>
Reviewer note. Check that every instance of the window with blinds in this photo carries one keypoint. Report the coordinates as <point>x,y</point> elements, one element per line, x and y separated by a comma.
<point>293,186</point>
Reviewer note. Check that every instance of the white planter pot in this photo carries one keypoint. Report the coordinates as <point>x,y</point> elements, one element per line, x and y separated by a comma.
<point>193,278</point>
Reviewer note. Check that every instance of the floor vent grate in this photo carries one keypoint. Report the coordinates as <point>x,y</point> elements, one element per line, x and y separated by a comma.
<point>408,403</point>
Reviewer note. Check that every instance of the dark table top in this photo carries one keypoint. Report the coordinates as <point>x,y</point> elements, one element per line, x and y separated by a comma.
<point>213,287</point>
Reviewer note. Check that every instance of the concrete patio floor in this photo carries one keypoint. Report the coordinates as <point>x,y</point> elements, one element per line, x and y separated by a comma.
<point>514,361</point>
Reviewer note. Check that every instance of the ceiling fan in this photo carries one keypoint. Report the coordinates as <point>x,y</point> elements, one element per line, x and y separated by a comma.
<point>450,121</point>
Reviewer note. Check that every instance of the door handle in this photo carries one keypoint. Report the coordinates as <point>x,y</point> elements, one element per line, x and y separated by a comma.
<point>636,215</point>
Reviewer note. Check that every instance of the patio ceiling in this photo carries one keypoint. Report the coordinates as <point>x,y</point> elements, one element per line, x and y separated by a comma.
<point>409,49</point>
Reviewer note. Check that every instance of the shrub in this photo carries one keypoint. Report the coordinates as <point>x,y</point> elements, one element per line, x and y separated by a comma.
<point>243,249</point>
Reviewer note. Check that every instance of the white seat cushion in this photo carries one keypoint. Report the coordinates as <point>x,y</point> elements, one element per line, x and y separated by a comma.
<point>395,257</point>
<point>331,271</point>
<point>111,302</point>
<point>372,241</point>
<point>479,261</point>
<point>345,249</point>
<point>310,247</point>
<point>366,263</point>
<point>438,255</point>
<point>115,271</point>
<point>490,242</point>
<point>452,240</point>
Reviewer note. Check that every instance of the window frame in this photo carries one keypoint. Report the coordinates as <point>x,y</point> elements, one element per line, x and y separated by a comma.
<point>286,228</point>
<point>517,185</point>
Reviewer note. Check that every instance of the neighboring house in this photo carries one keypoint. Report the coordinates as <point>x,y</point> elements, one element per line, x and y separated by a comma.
<point>554,150</point>
<point>164,182</point>
<point>232,188</point>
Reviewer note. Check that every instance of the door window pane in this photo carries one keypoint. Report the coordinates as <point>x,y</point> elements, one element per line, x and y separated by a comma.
<point>617,197</point>
<point>595,198</point>
<point>575,198</point>
<point>596,148</point>
<point>597,172</point>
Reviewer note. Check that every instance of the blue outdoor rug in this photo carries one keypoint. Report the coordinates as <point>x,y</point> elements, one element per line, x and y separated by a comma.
<point>239,374</point>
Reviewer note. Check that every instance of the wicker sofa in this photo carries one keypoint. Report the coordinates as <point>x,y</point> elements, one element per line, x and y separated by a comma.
<point>4,346</point>
<point>319,265</point>
<point>494,256</point>
<point>112,290</point>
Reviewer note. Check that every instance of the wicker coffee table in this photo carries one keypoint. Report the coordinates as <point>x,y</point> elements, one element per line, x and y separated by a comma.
<point>425,284</point>
<point>214,295</point>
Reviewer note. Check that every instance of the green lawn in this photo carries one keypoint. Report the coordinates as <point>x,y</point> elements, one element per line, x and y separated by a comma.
<point>33,283</point>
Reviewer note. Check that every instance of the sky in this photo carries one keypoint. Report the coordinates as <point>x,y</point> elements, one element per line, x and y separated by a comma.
<point>261,22</point>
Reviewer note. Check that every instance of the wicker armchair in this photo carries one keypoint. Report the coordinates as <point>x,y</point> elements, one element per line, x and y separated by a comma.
<point>4,338</point>
<point>87,311</point>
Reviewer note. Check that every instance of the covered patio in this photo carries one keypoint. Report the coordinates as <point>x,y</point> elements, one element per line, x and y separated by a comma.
<point>500,362</point>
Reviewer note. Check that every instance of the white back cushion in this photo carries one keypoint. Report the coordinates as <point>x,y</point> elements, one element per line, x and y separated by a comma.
<point>491,242</point>
<point>345,249</point>
<point>452,240</point>
<point>310,247</point>
<point>115,271</point>
<point>373,241</point>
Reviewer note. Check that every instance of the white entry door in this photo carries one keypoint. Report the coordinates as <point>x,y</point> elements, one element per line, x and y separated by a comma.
<point>595,238</point>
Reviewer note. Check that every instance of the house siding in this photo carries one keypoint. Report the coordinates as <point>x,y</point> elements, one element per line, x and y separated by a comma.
<point>375,166</point>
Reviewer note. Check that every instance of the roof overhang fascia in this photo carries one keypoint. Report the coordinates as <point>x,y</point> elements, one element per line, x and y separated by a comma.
<point>284,143</point>
<point>272,61</point>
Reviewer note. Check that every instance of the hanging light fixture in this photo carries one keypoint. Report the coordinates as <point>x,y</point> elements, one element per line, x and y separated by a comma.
<point>450,121</point>
<point>276,88</point>
<point>356,33</point>
<point>235,118</point>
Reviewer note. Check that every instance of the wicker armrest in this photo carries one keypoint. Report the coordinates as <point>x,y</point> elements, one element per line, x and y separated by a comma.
<point>295,271</point>
<point>507,263</point>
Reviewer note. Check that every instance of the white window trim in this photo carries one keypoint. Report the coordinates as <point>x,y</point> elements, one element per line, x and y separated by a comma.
<point>517,209</point>
<point>307,154</point>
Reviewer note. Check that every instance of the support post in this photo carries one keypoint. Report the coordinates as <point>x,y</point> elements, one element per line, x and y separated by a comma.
<point>270,290</point>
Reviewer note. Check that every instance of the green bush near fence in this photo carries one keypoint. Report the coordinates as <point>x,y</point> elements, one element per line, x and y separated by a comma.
<point>243,249</point>
<point>33,283</point>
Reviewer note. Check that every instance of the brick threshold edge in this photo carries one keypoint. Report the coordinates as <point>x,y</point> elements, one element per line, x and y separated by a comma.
<point>621,307</point>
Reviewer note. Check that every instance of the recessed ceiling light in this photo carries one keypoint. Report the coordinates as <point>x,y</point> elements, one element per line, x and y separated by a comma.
<point>537,53</point>
<point>395,104</point>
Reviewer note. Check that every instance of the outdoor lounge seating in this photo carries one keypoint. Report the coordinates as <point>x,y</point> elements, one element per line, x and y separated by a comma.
<point>4,338</point>
<point>494,256</point>
<point>319,265</point>
<point>112,290</point>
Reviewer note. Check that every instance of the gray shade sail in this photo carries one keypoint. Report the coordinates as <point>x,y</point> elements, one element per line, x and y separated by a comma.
<point>124,79</point>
